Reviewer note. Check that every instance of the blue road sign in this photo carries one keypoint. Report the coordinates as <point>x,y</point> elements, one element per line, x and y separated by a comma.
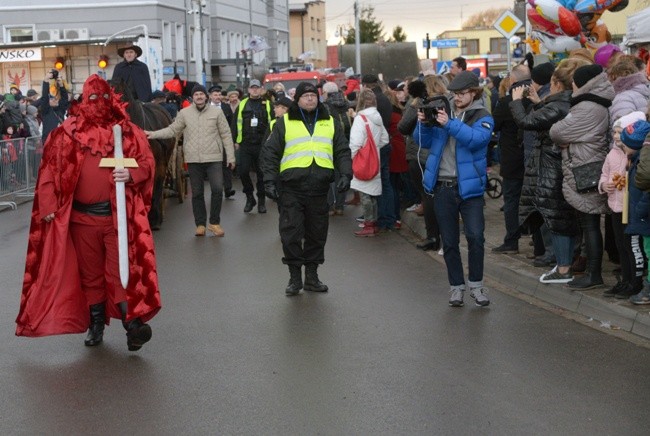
<point>444,43</point>
<point>170,70</point>
<point>443,67</point>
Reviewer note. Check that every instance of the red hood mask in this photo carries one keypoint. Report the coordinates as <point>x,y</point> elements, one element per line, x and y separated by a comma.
<point>100,108</point>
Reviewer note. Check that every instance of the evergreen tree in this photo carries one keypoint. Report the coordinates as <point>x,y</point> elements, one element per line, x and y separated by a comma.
<point>398,35</point>
<point>371,29</point>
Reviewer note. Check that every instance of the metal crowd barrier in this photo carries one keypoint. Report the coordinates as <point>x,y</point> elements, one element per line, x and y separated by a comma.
<point>19,162</point>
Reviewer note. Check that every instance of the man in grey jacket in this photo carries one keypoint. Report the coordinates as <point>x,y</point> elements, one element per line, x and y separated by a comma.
<point>206,134</point>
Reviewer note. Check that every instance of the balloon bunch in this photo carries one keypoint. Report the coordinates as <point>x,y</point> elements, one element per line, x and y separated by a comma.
<point>565,25</point>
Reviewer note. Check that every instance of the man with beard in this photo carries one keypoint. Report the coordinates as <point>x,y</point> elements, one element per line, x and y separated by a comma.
<point>299,176</point>
<point>72,257</point>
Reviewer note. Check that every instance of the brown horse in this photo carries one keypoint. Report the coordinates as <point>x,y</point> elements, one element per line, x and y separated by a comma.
<point>150,116</point>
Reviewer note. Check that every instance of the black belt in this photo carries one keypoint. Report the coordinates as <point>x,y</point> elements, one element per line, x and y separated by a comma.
<point>447,183</point>
<point>96,209</point>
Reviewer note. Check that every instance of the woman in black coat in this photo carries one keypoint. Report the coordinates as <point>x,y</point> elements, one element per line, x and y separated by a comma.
<point>542,200</point>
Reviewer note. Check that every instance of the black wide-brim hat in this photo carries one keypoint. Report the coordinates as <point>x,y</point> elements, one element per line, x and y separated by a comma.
<point>135,48</point>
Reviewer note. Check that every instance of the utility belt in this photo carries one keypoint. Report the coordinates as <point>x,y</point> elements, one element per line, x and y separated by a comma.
<point>447,183</point>
<point>95,209</point>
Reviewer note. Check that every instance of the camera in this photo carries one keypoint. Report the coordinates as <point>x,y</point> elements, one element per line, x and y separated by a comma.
<point>55,74</point>
<point>430,107</point>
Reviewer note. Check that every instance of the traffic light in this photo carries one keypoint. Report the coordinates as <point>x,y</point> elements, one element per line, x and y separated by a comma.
<point>59,63</point>
<point>102,62</point>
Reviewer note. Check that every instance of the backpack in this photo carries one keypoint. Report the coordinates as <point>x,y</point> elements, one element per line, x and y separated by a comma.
<point>365,165</point>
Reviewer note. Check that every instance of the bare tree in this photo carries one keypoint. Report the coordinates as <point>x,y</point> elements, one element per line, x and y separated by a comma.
<point>483,19</point>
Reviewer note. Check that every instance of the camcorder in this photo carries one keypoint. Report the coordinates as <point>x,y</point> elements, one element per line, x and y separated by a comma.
<point>430,107</point>
<point>55,74</point>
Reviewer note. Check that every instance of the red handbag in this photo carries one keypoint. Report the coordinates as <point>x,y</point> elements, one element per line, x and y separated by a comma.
<point>365,164</point>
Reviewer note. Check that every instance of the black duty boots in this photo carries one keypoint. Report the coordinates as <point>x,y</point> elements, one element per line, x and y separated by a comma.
<point>295,282</point>
<point>311,279</point>
<point>137,332</point>
<point>97,322</point>
<point>261,205</point>
<point>250,202</point>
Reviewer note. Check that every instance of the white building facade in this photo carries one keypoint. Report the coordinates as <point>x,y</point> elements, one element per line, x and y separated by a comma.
<point>201,40</point>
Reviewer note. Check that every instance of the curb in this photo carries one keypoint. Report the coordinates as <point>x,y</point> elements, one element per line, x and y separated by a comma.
<point>522,278</point>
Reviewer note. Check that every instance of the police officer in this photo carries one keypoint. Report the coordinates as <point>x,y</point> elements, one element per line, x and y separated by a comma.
<point>250,126</point>
<point>299,177</point>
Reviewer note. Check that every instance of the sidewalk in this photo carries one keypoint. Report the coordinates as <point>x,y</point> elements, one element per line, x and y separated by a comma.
<point>518,274</point>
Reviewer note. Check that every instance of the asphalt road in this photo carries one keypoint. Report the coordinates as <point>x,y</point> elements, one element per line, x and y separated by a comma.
<point>381,353</point>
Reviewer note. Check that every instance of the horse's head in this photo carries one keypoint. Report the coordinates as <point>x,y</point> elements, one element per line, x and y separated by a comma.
<point>120,87</point>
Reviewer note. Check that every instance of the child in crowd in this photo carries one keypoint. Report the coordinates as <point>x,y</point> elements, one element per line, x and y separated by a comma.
<point>627,238</point>
<point>635,138</point>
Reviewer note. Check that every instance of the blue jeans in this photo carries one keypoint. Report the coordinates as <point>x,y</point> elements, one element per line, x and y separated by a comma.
<point>385,202</point>
<point>448,205</point>
<point>563,248</point>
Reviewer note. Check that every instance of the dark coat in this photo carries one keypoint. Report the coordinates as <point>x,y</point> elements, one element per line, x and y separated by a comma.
<point>638,204</point>
<point>338,106</point>
<point>384,107</point>
<point>542,200</point>
<point>510,140</point>
<point>312,180</point>
<point>52,117</point>
<point>136,76</point>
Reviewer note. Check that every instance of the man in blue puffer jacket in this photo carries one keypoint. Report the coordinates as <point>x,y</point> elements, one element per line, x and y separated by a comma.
<point>456,175</point>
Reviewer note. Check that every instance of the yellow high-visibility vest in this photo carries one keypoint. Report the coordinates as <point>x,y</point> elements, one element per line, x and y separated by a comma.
<point>240,119</point>
<point>301,149</point>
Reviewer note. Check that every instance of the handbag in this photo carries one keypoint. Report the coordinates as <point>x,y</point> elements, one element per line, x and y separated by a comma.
<point>365,165</point>
<point>587,175</point>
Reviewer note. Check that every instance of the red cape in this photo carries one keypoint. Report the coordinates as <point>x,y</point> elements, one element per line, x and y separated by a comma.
<point>52,300</point>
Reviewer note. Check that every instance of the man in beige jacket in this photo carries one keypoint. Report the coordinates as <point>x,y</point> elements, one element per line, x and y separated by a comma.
<point>206,134</point>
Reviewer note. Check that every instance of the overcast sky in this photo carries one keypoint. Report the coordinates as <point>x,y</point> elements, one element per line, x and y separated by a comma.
<point>417,17</point>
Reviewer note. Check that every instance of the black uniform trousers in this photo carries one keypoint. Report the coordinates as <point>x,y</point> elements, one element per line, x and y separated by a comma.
<point>250,160</point>
<point>304,222</point>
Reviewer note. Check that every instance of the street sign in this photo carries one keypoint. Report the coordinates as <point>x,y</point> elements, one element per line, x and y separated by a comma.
<point>441,43</point>
<point>507,24</point>
<point>444,43</point>
<point>443,67</point>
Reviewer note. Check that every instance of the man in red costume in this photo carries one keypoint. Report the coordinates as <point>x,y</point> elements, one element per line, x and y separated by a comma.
<point>72,258</point>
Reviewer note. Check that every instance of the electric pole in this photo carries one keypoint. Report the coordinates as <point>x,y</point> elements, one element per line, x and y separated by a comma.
<point>357,38</point>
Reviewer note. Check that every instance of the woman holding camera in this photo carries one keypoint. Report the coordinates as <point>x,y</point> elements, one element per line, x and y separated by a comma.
<point>53,103</point>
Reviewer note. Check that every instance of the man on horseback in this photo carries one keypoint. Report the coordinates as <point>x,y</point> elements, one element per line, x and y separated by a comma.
<point>134,73</point>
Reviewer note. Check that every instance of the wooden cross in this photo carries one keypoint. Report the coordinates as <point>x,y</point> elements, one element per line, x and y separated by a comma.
<point>123,162</point>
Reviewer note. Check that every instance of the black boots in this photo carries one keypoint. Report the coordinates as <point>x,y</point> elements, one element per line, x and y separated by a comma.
<point>594,245</point>
<point>311,279</point>
<point>429,244</point>
<point>295,282</point>
<point>137,332</point>
<point>97,322</point>
<point>250,202</point>
<point>261,205</point>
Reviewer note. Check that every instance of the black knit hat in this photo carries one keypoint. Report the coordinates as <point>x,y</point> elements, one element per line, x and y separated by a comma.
<point>304,88</point>
<point>199,88</point>
<point>585,73</point>
<point>542,73</point>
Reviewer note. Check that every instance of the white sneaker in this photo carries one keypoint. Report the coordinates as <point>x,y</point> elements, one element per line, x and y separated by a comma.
<point>441,252</point>
<point>554,276</point>
<point>479,296</point>
<point>413,207</point>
